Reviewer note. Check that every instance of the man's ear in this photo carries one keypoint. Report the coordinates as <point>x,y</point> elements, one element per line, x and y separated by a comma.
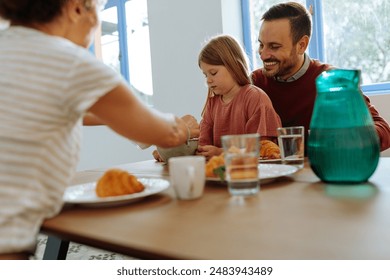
<point>303,43</point>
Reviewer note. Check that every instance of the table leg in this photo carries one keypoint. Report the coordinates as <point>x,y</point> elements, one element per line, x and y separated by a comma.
<point>56,249</point>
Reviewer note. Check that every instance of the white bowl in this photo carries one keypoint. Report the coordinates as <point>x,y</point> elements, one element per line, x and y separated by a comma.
<point>182,150</point>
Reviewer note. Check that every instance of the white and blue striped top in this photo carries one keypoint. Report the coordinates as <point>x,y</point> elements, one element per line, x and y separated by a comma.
<point>47,83</point>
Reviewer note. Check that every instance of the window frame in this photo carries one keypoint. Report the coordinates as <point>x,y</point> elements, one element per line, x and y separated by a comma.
<point>122,35</point>
<point>316,46</point>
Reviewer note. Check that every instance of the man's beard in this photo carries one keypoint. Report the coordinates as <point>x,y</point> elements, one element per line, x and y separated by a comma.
<point>270,74</point>
<point>283,69</point>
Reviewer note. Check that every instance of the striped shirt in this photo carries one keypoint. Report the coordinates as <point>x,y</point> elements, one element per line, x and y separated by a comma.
<point>46,85</point>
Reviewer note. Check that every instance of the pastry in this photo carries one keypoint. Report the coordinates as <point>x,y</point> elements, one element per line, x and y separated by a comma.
<point>118,182</point>
<point>243,168</point>
<point>213,163</point>
<point>269,150</point>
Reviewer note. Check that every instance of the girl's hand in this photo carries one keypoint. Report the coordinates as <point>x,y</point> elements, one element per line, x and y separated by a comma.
<point>208,151</point>
<point>157,156</point>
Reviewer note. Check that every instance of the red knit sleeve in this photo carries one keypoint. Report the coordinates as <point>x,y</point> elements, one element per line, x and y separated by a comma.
<point>381,125</point>
<point>265,119</point>
<point>269,119</point>
<point>206,127</point>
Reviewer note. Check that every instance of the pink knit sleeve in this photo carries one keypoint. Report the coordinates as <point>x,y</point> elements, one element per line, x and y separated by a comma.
<point>206,127</point>
<point>269,119</point>
<point>381,125</point>
<point>264,118</point>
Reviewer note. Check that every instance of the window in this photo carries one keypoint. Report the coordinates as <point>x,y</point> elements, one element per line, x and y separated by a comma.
<point>123,44</point>
<point>109,49</point>
<point>347,34</point>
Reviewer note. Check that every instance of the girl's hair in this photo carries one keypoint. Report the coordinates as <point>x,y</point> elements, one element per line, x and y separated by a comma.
<point>226,51</point>
<point>33,11</point>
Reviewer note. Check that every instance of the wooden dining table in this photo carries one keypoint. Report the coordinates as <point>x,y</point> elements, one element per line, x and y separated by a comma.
<point>295,217</point>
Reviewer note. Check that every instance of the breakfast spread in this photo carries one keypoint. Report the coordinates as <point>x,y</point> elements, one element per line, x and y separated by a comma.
<point>215,167</point>
<point>116,182</point>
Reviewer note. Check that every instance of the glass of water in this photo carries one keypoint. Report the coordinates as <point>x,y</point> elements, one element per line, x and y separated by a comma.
<point>241,154</point>
<point>292,145</point>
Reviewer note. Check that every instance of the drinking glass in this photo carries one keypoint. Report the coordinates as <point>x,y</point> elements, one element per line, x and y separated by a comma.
<point>241,154</point>
<point>291,141</point>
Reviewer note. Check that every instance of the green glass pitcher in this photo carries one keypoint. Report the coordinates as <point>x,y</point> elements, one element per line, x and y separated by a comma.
<point>343,145</point>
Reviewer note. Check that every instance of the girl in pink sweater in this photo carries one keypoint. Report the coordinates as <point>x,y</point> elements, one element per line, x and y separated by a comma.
<point>233,105</point>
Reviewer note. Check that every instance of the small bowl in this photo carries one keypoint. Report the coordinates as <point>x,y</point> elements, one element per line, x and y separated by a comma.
<point>179,151</point>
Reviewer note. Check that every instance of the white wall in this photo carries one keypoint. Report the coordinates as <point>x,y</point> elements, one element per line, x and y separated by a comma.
<point>178,29</point>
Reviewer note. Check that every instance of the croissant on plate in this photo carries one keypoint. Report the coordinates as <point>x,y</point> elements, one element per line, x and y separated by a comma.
<point>269,150</point>
<point>118,182</point>
<point>213,163</point>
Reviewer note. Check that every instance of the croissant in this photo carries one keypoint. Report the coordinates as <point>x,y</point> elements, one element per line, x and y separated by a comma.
<point>269,150</point>
<point>213,163</point>
<point>118,182</point>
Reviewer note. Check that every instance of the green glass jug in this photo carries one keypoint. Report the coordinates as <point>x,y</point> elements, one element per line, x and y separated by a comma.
<point>343,145</point>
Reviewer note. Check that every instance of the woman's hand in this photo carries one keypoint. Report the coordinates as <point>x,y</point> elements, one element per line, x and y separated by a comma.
<point>209,151</point>
<point>192,124</point>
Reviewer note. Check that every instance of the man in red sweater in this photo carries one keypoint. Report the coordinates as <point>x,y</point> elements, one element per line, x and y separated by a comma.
<point>288,74</point>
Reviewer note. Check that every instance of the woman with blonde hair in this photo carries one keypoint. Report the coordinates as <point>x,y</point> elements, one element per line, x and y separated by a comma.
<point>233,104</point>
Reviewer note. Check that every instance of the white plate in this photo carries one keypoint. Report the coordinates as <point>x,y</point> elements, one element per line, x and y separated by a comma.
<point>276,160</point>
<point>84,194</point>
<point>268,172</point>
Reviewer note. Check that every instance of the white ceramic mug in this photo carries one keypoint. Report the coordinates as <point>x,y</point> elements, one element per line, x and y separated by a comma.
<point>187,175</point>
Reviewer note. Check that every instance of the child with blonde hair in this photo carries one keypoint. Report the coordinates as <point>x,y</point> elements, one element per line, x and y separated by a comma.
<point>233,105</point>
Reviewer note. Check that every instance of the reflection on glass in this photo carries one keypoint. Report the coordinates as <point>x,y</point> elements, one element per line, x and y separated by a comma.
<point>139,48</point>
<point>353,192</point>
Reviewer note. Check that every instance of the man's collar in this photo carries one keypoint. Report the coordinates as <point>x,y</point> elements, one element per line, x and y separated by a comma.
<point>299,74</point>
